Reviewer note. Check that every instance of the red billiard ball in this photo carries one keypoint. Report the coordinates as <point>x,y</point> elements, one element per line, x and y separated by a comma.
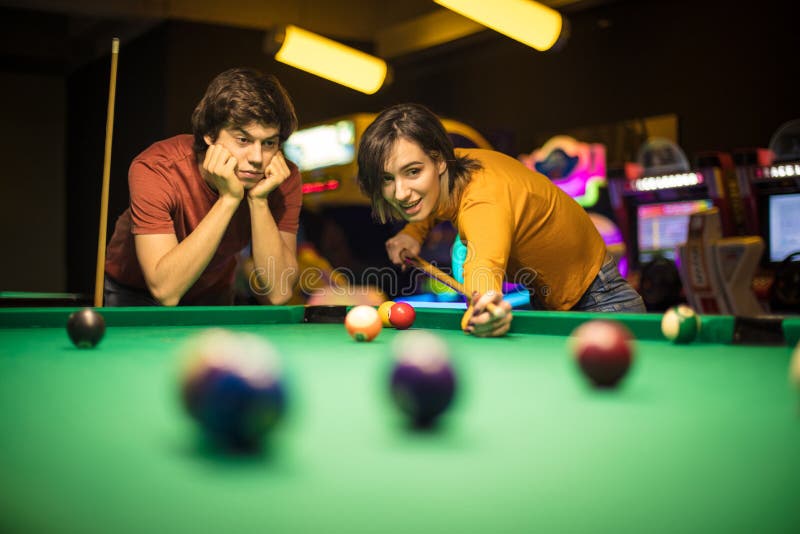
<point>402,315</point>
<point>86,328</point>
<point>423,382</point>
<point>363,323</point>
<point>232,387</point>
<point>603,350</point>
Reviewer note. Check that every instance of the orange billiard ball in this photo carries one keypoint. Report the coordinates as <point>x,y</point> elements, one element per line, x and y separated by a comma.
<point>402,315</point>
<point>363,323</point>
<point>383,311</point>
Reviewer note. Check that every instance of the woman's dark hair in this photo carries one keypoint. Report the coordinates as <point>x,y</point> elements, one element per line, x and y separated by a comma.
<point>421,126</point>
<point>239,97</point>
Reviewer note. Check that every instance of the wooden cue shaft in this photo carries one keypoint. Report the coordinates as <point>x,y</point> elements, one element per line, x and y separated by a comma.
<point>437,274</point>
<point>101,238</point>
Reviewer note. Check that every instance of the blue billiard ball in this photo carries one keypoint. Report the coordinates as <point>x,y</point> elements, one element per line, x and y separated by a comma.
<point>232,386</point>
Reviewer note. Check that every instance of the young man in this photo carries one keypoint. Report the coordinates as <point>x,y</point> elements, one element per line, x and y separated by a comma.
<point>196,201</point>
<point>516,223</point>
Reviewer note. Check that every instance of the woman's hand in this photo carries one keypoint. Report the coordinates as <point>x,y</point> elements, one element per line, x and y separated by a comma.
<point>402,245</point>
<point>486,323</point>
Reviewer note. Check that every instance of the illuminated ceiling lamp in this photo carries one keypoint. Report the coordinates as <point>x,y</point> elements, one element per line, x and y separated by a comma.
<point>327,58</point>
<point>528,22</point>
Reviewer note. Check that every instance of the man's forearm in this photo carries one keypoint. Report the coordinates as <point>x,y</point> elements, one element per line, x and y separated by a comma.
<point>180,268</point>
<point>275,265</point>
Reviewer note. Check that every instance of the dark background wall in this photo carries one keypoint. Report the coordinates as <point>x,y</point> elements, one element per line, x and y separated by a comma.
<point>726,70</point>
<point>32,182</point>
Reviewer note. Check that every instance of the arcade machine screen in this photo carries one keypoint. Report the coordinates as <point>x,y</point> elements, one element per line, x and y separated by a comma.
<point>325,145</point>
<point>663,226</point>
<point>784,226</point>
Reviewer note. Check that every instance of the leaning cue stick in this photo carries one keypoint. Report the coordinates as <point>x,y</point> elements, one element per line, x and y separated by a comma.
<point>437,274</point>
<point>101,238</point>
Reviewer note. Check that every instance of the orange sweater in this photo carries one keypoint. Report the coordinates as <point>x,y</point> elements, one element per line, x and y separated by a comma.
<point>517,224</point>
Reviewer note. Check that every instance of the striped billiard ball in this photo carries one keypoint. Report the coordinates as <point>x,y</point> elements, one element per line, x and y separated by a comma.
<point>680,324</point>
<point>363,323</point>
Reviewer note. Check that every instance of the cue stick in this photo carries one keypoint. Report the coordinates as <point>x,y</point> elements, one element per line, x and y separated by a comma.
<point>101,238</point>
<point>437,274</point>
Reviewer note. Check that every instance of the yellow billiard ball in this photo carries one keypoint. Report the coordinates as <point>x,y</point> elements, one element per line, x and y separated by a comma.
<point>383,312</point>
<point>794,367</point>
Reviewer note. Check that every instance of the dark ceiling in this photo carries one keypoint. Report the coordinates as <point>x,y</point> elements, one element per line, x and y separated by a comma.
<point>56,36</point>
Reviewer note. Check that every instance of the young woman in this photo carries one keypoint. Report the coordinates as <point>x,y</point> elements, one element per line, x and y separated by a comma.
<point>516,224</point>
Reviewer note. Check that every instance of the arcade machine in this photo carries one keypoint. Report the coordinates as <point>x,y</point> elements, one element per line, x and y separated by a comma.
<point>336,222</point>
<point>653,202</point>
<point>770,181</point>
<point>580,170</point>
<point>717,272</point>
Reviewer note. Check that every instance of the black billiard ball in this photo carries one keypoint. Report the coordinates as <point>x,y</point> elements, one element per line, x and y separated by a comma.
<point>603,350</point>
<point>423,381</point>
<point>233,388</point>
<point>86,328</point>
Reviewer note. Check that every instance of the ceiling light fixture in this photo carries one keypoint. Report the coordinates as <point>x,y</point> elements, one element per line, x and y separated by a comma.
<point>327,58</point>
<point>528,22</point>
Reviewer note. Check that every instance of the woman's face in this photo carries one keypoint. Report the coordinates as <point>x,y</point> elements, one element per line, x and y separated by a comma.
<point>411,180</point>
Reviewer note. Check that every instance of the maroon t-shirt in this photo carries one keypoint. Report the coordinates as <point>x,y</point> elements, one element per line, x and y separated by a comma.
<point>169,196</point>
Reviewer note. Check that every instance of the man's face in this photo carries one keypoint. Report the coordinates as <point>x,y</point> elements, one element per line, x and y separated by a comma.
<point>253,146</point>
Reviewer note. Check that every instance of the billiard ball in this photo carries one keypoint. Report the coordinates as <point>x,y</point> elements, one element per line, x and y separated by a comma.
<point>363,323</point>
<point>794,367</point>
<point>423,381</point>
<point>233,387</point>
<point>603,350</point>
<point>383,311</point>
<point>402,315</point>
<point>680,324</point>
<point>86,328</point>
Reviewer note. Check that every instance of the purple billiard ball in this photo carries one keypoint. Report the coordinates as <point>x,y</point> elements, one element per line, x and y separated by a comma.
<point>232,386</point>
<point>423,382</point>
<point>86,328</point>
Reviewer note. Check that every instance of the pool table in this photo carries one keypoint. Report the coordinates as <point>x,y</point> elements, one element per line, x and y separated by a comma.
<point>703,437</point>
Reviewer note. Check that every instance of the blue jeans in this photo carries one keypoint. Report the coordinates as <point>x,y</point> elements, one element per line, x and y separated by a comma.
<point>610,293</point>
<point>116,294</point>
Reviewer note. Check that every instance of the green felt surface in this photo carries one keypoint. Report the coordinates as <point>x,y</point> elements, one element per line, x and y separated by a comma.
<point>699,438</point>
